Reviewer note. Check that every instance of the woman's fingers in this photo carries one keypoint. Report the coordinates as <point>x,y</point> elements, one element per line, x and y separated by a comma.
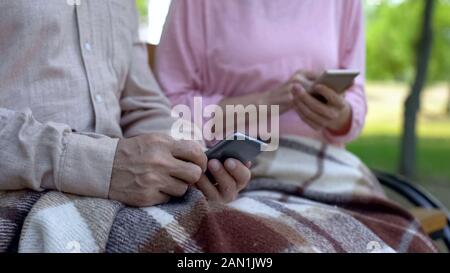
<point>304,75</point>
<point>309,122</point>
<point>313,119</point>
<point>313,112</point>
<point>303,80</point>
<point>312,76</point>
<point>330,95</point>
<point>316,106</point>
<point>281,96</point>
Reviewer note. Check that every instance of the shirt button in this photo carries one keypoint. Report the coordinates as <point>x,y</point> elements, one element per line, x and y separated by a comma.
<point>98,98</point>
<point>87,46</point>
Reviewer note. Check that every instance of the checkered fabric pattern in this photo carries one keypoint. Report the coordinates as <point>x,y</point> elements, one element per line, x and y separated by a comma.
<point>305,197</point>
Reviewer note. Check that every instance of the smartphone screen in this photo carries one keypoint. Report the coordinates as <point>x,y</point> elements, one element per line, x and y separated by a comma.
<point>238,146</point>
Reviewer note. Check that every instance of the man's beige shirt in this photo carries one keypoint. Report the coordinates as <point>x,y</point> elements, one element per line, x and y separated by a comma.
<point>73,80</point>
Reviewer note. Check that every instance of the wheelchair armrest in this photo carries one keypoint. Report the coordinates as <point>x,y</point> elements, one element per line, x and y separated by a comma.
<point>432,215</point>
<point>431,220</point>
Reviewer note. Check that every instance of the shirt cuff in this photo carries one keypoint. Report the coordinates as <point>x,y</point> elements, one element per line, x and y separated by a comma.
<point>86,164</point>
<point>357,123</point>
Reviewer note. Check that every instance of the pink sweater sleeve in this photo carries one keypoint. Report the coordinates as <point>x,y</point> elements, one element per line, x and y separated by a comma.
<point>352,56</point>
<point>180,57</point>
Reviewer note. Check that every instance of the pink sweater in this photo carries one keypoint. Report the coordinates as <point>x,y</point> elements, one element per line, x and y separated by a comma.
<point>216,49</point>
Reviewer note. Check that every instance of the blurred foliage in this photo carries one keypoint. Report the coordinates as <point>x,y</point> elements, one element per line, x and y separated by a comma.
<point>393,30</point>
<point>142,8</point>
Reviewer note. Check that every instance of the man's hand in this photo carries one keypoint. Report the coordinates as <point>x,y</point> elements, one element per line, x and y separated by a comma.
<point>230,179</point>
<point>335,115</point>
<point>149,169</point>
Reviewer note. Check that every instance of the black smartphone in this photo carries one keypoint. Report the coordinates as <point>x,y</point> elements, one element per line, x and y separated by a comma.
<point>238,146</point>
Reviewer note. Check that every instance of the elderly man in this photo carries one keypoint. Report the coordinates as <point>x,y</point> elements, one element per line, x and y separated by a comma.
<point>80,111</point>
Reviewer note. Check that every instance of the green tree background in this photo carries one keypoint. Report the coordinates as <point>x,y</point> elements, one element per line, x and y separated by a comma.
<point>142,8</point>
<point>393,27</point>
<point>392,32</point>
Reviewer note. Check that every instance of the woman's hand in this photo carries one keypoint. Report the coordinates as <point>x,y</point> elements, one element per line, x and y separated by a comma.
<point>335,115</point>
<point>281,96</point>
<point>230,179</point>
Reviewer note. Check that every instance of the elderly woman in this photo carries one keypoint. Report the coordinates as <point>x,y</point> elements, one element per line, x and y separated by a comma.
<point>263,53</point>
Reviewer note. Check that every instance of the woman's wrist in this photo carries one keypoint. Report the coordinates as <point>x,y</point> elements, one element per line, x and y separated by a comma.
<point>344,123</point>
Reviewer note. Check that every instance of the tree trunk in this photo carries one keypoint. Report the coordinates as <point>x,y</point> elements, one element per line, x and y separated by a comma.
<point>412,103</point>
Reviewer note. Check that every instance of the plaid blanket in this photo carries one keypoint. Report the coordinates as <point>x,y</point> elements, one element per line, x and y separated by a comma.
<point>305,197</point>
